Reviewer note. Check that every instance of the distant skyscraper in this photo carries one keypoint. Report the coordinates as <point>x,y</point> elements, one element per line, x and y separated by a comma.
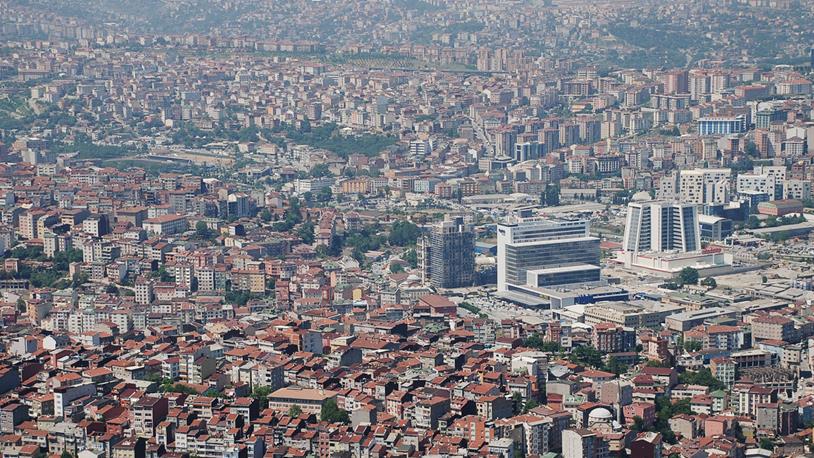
<point>811,56</point>
<point>527,151</point>
<point>661,226</point>
<point>447,255</point>
<point>539,252</point>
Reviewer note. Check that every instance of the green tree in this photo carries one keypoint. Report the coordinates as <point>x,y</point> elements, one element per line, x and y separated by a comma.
<point>212,393</point>
<point>111,289</point>
<point>536,341</point>
<point>294,411</point>
<point>766,444</point>
<point>332,413</point>
<point>261,394</point>
<point>638,424</point>
<point>321,250</point>
<point>552,195</point>
<point>737,432</point>
<point>265,215</point>
<point>306,233</point>
<point>358,255</point>
<point>688,276</point>
<point>411,257</point>
<point>202,230</point>
<point>615,366</point>
<point>710,282</point>
<point>693,345</point>
<point>530,404</point>
<point>403,233</point>
<point>751,149</point>
<point>702,377</point>
<point>320,170</point>
<point>325,194</point>
<point>517,402</point>
<point>396,268</point>
<point>586,356</point>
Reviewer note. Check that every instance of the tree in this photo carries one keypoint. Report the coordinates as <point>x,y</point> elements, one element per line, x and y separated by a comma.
<point>688,276</point>
<point>396,268</point>
<point>202,230</point>
<point>212,393</point>
<point>766,444</point>
<point>710,282</point>
<point>615,366</point>
<point>65,454</point>
<point>306,233</point>
<point>403,233</point>
<point>737,432</point>
<point>517,402</point>
<point>325,194</point>
<point>537,342</point>
<point>530,404</point>
<point>552,195</point>
<point>265,215</point>
<point>753,222</point>
<point>294,411</point>
<point>586,356</point>
<point>751,149</point>
<point>321,170</point>
<point>111,289</point>
<point>411,257</point>
<point>321,250</point>
<point>702,377</point>
<point>261,394</point>
<point>335,248</point>
<point>743,164</point>
<point>358,255</point>
<point>638,424</point>
<point>693,346</point>
<point>332,413</point>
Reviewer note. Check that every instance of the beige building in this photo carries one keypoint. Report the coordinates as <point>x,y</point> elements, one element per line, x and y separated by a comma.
<point>307,399</point>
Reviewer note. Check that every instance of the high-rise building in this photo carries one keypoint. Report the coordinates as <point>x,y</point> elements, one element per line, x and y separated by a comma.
<point>538,252</point>
<point>704,186</point>
<point>527,151</point>
<point>420,148</point>
<point>764,184</point>
<point>505,140</point>
<point>661,226</point>
<point>447,255</point>
<point>676,82</point>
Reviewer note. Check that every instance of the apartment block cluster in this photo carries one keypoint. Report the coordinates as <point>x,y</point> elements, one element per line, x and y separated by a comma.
<point>376,229</point>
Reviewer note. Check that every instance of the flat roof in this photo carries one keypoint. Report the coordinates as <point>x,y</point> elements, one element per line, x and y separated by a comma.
<point>555,270</point>
<point>308,394</point>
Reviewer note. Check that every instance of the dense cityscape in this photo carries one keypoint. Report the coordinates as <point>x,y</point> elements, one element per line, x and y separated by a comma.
<point>406,228</point>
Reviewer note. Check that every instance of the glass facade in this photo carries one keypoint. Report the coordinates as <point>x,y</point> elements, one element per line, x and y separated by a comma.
<point>521,259</point>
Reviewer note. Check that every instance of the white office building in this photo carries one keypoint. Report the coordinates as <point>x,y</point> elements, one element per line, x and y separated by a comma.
<point>661,226</point>
<point>754,183</point>
<point>536,252</point>
<point>704,186</point>
<point>797,189</point>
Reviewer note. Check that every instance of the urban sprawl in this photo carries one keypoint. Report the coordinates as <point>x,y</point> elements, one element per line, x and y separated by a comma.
<point>406,228</point>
